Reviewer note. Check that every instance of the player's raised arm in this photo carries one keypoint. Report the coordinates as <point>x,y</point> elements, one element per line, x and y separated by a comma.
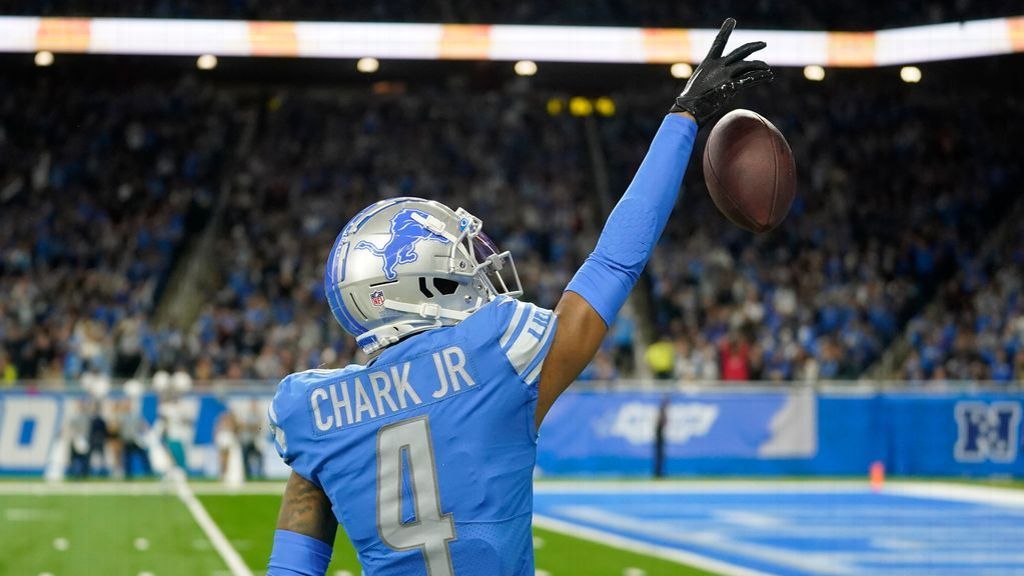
<point>600,287</point>
<point>306,527</point>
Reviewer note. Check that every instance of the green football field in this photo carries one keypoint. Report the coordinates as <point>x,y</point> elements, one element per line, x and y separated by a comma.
<point>147,530</point>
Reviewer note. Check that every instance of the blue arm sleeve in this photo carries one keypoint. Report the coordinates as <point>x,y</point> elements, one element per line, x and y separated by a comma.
<point>296,554</point>
<point>636,223</point>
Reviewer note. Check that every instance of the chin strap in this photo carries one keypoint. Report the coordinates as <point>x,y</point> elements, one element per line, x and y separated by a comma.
<point>372,342</point>
<point>426,310</point>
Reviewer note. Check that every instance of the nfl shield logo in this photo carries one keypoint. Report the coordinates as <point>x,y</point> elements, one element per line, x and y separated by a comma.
<point>987,431</point>
<point>377,297</point>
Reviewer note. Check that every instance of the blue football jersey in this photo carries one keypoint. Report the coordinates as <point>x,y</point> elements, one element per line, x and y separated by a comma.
<point>427,453</point>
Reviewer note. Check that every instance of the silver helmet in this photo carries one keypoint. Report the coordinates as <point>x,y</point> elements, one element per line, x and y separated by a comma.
<point>406,265</point>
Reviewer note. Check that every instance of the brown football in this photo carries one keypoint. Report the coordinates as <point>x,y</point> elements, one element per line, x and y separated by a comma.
<point>749,170</point>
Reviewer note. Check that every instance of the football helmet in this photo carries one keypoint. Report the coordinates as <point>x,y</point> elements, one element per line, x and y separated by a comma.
<point>406,265</point>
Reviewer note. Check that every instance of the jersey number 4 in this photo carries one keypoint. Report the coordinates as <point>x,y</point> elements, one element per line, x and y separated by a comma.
<point>407,445</point>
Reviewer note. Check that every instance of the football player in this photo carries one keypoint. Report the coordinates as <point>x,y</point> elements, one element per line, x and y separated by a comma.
<point>425,455</point>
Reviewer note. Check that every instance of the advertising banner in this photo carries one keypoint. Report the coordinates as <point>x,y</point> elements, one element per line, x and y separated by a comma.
<point>590,433</point>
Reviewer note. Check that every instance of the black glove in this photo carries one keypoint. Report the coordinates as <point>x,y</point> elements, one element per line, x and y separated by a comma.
<point>718,78</point>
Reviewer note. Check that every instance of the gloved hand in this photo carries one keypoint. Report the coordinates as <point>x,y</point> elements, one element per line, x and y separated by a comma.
<point>718,78</point>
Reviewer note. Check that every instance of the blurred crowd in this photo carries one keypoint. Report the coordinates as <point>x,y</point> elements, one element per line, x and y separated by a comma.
<point>975,330</point>
<point>894,195</point>
<point>104,188</point>
<point>789,14</point>
<point>318,158</point>
<point>99,185</point>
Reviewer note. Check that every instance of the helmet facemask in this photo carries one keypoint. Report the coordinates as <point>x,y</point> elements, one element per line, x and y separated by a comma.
<point>497,270</point>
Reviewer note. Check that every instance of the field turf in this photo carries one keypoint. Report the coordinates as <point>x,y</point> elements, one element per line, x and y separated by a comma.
<point>153,534</point>
<point>792,528</point>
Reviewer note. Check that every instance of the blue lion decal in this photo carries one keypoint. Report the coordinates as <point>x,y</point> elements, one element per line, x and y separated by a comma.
<point>406,232</point>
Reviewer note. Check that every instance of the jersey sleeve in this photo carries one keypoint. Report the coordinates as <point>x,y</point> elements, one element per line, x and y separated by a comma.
<point>290,428</point>
<point>279,408</point>
<point>526,334</point>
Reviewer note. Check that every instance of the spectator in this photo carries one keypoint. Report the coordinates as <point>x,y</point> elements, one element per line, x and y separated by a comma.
<point>229,450</point>
<point>88,433</point>
<point>250,436</point>
<point>660,358</point>
<point>132,430</point>
<point>735,358</point>
<point>79,432</point>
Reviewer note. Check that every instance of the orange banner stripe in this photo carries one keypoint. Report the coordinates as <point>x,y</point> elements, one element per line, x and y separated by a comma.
<point>273,39</point>
<point>851,48</point>
<point>1015,27</point>
<point>64,34</point>
<point>665,45</point>
<point>465,42</point>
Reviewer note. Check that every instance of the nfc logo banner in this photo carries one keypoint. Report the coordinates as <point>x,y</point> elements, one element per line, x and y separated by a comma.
<point>987,431</point>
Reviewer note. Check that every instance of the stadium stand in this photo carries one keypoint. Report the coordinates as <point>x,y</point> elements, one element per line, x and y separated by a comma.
<point>824,295</point>
<point>99,186</point>
<point>318,158</point>
<point>821,298</point>
<point>975,330</point>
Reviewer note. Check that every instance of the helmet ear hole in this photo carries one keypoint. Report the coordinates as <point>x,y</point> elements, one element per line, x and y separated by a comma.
<point>423,288</point>
<point>446,286</point>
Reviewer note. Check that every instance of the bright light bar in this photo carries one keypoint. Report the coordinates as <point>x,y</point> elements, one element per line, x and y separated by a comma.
<point>502,42</point>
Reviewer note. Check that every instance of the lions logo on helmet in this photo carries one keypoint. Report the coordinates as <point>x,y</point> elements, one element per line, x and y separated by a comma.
<point>407,230</point>
<point>437,265</point>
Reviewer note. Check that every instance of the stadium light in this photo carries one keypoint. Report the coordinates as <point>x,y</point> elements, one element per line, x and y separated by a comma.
<point>814,73</point>
<point>44,58</point>
<point>579,106</point>
<point>911,74</point>
<point>605,106</point>
<point>368,65</point>
<point>526,68</point>
<point>681,70</point>
<point>206,62</point>
<point>555,106</point>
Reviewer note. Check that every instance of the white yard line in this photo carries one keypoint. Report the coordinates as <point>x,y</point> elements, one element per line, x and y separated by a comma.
<point>993,496</point>
<point>701,486</point>
<point>220,542</point>
<point>641,547</point>
<point>144,488</point>
<point>83,489</point>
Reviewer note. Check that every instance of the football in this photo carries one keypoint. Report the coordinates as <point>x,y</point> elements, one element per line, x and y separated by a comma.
<point>750,171</point>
